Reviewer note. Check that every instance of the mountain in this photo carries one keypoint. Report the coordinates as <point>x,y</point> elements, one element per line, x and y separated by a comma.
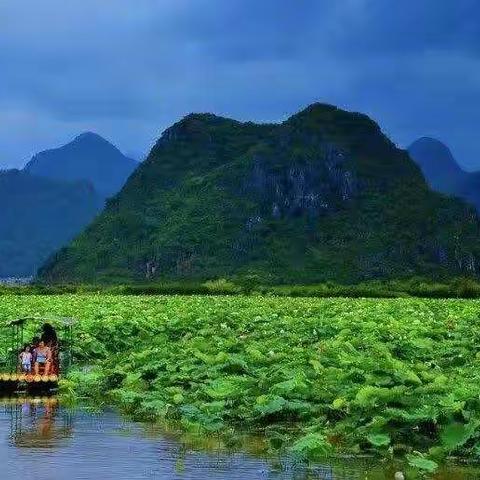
<point>88,157</point>
<point>443,172</point>
<point>438,165</point>
<point>53,198</point>
<point>322,196</point>
<point>39,216</point>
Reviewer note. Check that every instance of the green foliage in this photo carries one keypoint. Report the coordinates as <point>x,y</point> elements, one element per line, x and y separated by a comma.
<point>391,376</point>
<point>378,439</point>
<point>413,287</point>
<point>221,287</point>
<point>455,435</point>
<point>312,445</point>
<point>420,462</point>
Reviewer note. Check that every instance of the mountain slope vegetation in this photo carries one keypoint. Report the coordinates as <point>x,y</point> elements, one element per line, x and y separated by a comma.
<point>324,195</point>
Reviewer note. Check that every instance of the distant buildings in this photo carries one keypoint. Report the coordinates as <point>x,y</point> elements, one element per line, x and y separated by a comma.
<point>12,281</point>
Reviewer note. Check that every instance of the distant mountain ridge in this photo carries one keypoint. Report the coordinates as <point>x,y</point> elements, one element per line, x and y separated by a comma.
<point>56,195</point>
<point>442,171</point>
<point>322,196</point>
<point>88,157</point>
<point>39,216</point>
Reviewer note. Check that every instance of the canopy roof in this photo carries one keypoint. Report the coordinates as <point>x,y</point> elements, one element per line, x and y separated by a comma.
<point>64,321</point>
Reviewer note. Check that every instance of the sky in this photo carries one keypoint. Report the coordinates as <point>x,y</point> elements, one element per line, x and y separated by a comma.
<point>127,69</point>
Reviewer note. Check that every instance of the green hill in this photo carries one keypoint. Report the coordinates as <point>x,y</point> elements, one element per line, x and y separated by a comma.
<point>322,196</point>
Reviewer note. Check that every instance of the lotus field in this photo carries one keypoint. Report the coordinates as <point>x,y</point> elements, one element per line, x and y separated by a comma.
<point>316,376</point>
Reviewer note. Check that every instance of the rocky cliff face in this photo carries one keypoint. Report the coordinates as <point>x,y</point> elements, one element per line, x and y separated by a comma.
<point>325,195</point>
<point>311,189</point>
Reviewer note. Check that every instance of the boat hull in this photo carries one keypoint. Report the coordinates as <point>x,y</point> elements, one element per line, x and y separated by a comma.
<point>13,382</point>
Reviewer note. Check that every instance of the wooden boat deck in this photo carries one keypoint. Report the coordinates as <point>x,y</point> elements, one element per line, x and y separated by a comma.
<point>28,378</point>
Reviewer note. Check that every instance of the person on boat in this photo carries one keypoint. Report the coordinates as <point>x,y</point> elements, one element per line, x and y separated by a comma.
<point>26,359</point>
<point>49,337</point>
<point>43,357</point>
<point>33,347</point>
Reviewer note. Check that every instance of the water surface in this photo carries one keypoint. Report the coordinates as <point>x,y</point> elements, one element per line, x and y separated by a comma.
<point>40,439</point>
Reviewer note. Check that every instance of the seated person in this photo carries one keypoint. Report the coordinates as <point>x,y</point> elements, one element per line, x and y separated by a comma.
<point>43,357</point>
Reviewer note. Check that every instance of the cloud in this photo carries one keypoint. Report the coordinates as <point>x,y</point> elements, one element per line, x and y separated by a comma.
<point>128,69</point>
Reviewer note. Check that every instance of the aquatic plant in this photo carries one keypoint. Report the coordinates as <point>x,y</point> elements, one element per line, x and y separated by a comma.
<point>389,377</point>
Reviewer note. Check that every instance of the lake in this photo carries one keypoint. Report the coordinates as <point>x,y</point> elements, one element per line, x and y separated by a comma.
<point>40,439</point>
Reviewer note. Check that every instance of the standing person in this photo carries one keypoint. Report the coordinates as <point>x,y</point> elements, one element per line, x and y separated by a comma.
<point>33,347</point>
<point>26,359</point>
<point>43,356</point>
<point>49,336</point>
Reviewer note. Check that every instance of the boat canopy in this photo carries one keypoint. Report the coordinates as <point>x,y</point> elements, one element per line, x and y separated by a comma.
<point>56,321</point>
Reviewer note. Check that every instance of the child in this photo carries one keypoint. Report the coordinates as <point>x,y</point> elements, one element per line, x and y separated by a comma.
<point>26,360</point>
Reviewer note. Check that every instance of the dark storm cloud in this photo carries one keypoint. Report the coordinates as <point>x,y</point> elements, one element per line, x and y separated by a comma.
<point>129,68</point>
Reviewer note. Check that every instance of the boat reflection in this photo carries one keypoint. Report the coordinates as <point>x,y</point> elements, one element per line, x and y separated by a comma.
<point>38,422</point>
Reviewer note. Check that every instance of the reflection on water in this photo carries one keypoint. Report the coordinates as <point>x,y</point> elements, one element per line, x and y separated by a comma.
<point>38,423</point>
<point>40,439</point>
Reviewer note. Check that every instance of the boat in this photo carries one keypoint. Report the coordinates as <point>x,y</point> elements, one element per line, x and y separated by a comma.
<point>22,331</point>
